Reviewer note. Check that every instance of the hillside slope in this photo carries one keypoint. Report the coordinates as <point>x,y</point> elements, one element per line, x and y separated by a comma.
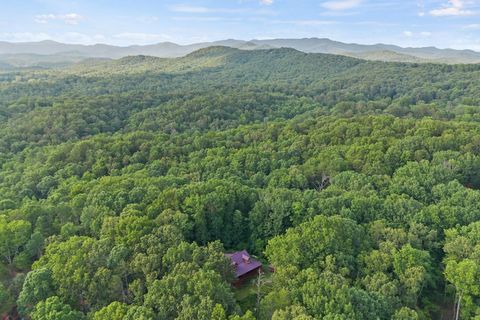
<point>123,184</point>
<point>381,52</point>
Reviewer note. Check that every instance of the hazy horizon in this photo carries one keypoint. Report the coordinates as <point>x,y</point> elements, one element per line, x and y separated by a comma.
<point>233,39</point>
<point>414,23</point>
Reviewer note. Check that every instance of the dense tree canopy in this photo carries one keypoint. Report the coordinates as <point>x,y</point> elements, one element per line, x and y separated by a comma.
<point>123,184</point>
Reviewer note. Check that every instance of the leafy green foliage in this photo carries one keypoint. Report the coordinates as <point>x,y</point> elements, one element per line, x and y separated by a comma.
<point>54,309</point>
<point>462,269</point>
<point>123,184</point>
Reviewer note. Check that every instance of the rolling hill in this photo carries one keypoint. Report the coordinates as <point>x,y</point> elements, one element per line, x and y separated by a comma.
<point>46,54</point>
<point>123,183</point>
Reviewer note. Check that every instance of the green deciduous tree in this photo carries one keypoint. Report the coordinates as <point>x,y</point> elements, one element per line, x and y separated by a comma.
<point>13,236</point>
<point>54,309</point>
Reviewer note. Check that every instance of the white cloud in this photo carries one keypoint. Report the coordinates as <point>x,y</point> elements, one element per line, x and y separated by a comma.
<point>69,18</point>
<point>474,26</point>
<point>410,34</point>
<point>266,2</point>
<point>421,8</point>
<point>182,8</point>
<point>339,5</point>
<point>453,8</point>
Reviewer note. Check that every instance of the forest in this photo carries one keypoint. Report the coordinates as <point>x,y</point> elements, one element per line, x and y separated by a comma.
<point>123,184</point>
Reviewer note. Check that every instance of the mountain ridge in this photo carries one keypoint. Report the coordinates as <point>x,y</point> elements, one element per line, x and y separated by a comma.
<point>380,51</point>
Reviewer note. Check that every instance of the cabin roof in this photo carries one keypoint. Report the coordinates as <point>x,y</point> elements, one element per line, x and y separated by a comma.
<point>242,266</point>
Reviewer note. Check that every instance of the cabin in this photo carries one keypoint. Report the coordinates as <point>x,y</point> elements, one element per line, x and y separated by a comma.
<point>245,266</point>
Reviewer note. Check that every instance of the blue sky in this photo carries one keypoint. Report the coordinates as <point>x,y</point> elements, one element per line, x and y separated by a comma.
<point>441,23</point>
